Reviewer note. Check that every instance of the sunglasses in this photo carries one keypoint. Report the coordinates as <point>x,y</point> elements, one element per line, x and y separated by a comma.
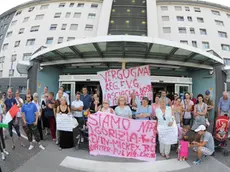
<point>164,117</point>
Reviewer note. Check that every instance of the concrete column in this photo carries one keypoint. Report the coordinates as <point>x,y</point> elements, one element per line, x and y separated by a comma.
<point>103,24</point>
<point>152,18</point>
<point>123,64</point>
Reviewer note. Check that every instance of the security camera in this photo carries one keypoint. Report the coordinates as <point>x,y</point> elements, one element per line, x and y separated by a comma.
<point>211,72</point>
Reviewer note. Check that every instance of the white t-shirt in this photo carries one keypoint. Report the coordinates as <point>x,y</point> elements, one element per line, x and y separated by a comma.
<point>77,104</point>
<point>19,113</point>
<point>38,106</point>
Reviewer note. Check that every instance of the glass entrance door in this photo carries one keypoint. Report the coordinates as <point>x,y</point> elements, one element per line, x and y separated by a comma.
<point>182,88</point>
<point>69,89</point>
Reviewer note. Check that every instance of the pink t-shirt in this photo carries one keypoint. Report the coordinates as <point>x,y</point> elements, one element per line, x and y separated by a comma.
<point>183,149</point>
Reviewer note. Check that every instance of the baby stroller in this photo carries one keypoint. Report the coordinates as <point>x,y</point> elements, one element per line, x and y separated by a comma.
<point>221,133</point>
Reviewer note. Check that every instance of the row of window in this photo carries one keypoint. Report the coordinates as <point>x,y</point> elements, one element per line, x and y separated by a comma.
<point>190,19</point>
<point>183,30</point>
<point>88,27</point>
<point>196,9</point>
<point>206,45</point>
<point>61,5</point>
<point>57,15</point>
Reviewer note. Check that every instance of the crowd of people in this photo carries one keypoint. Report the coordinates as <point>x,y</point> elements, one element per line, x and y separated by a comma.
<point>37,116</point>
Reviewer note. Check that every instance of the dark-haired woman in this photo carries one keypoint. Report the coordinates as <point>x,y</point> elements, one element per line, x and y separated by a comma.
<point>200,111</point>
<point>187,108</point>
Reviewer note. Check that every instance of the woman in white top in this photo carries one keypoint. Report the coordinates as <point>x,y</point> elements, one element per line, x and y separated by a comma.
<point>164,119</point>
<point>106,107</point>
<point>122,109</point>
<point>187,108</point>
<point>39,125</point>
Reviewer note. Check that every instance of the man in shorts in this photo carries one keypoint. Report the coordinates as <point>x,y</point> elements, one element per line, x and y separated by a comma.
<point>206,146</point>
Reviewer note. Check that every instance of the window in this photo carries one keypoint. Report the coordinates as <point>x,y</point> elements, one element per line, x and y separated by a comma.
<point>39,17</point>
<point>31,9</point>
<point>184,42</point>
<point>2,59</point>
<point>67,15</point>
<point>165,18</point>
<point>11,72</point>
<point>17,43</point>
<point>73,26</point>
<point>49,40</point>
<point>217,13</point>
<point>63,27</point>
<point>5,46</point>
<point>189,18</point>
<point>30,42</point>
<point>180,18</point>
<point>60,40</point>
<point>21,31</point>
<point>194,43</point>
<point>167,29</point>
<point>178,8</point>
<point>61,5</point>
<point>91,16</point>
<point>222,34</point>
<point>71,5</point>
<point>80,5</point>
<point>43,7</point>
<point>94,5</point>
<point>89,27</point>
<point>205,45</point>
<point>164,8</point>
<point>13,22</point>
<point>197,10</point>
<point>187,9</point>
<point>53,27</point>
<point>9,34</point>
<point>34,28</point>
<point>13,57</point>
<point>203,32</point>
<point>26,56</point>
<point>26,19</point>
<point>192,30</point>
<point>182,30</point>
<point>18,13</point>
<point>57,15</point>
<point>1,36</point>
<point>220,23</point>
<point>200,20</point>
<point>70,38</point>
<point>77,15</point>
<point>225,47</point>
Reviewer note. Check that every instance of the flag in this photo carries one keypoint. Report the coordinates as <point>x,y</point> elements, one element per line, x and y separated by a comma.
<point>3,125</point>
<point>11,114</point>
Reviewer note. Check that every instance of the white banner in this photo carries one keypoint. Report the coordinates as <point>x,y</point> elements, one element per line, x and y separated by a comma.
<point>168,135</point>
<point>117,82</point>
<point>64,122</point>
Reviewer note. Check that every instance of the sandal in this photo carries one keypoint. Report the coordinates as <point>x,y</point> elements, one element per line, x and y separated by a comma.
<point>167,157</point>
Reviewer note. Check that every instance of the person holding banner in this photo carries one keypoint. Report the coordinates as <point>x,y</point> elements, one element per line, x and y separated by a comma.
<point>165,120</point>
<point>122,109</point>
<point>144,111</point>
<point>66,137</point>
<point>106,108</point>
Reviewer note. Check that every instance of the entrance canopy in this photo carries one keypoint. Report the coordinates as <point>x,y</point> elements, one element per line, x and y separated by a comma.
<point>110,50</point>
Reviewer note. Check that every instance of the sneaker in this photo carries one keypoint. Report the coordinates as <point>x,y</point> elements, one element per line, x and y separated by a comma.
<point>42,147</point>
<point>82,139</point>
<point>57,142</point>
<point>5,152</point>
<point>22,145</point>
<point>203,157</point>
<point>31,147</point>
<point>197,162</point>
<point>13,147</point>
<point>3,156</point>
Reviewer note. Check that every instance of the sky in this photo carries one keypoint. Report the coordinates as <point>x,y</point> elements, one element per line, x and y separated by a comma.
<point>12,3</point>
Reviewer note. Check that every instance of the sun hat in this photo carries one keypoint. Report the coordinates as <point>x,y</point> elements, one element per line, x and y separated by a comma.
<point>200,128</point>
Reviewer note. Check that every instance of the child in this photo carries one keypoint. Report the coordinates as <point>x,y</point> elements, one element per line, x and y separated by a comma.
<point>183,149</point>
<point>222,131</point>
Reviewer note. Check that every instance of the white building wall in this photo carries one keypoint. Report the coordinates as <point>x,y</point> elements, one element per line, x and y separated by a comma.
<point>152,18</point>
<point>209,24</point>
<point>44,29</point>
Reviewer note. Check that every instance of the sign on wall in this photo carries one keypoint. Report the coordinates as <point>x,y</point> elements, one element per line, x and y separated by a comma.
<point>117,82</point>
<point>116,136</point>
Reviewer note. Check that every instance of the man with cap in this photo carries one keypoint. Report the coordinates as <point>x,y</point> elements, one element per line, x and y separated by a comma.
<point>206,146</point>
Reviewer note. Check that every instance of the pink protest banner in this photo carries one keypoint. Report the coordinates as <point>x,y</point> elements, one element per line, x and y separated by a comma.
<point>116,136</point>
<point>117,82</point>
